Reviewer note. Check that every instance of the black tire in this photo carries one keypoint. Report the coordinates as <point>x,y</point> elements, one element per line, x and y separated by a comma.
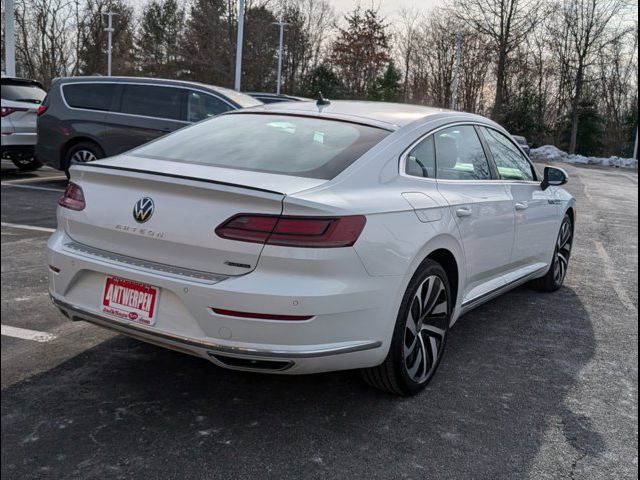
<point>26,164</point>
<point>395,375</point>
<point>82,152</point>
<point>554,278</point>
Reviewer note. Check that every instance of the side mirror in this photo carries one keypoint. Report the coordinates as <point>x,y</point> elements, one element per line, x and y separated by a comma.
<point>554,177</point>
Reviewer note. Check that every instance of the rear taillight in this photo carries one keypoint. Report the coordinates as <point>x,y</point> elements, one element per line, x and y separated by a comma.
<point>41,110</point>
<point>73,198</point>
<point>303,232</point>
<point>9,110</point>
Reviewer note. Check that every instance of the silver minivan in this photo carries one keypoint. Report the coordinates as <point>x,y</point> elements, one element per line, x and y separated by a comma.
<point>86,118</point>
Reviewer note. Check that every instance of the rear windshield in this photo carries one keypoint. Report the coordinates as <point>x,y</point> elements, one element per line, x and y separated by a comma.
<point>23,93</point>
<point>280,144</point>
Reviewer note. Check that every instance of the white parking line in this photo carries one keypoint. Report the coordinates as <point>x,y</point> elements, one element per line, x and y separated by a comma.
<point>26,334</point>
<point>32,187</point>
<point>51,178</point>
<point>27,227</point>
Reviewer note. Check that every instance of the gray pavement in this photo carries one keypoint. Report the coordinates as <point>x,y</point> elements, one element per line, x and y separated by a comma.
<point>532,386</point>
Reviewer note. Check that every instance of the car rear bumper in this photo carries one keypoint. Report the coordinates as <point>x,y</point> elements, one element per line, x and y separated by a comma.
<point>49,156</point>
<point>9,140</point>
<point>351,325</point>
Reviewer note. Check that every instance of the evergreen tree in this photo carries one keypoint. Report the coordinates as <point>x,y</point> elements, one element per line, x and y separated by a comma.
<point>361,52</point>
<point>589,139</point>
<point>322,80</point>
<point>92,58</point>
<point>160,34</point>
<point>389,86</point>
<point>206,50</point>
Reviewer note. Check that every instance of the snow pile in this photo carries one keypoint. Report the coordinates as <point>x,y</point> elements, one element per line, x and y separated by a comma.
<point>549,153</point>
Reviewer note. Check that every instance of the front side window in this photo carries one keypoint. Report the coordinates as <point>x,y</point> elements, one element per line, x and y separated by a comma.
<point>91,96</point>
<point>201,106</point>
<point>510,162</point>
<point>279,144</point>
<point>421,161</point>
<point>152,101</point>
<point>459,155</point>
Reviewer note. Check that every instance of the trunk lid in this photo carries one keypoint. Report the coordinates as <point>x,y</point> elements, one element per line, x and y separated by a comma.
<point>189,202</point>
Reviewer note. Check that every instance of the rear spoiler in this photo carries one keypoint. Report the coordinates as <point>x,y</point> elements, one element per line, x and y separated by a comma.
<point>183,177</point>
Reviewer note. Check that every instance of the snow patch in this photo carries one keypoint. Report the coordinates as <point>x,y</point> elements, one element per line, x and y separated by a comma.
<point>550,153</point>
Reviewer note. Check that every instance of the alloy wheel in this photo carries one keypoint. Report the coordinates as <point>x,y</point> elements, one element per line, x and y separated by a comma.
<point>563,252</point>
<point>426,329</point>
<point>83,156</point>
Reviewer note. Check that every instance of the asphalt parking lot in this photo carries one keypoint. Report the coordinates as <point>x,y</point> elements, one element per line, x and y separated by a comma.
<point>533,386</point>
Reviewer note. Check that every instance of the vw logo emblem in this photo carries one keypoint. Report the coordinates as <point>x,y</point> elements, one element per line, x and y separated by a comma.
<point>143,209</point>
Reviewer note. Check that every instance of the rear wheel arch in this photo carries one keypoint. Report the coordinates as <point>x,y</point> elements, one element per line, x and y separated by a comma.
<point>68,147</point>
<point>75,141</point>
<point>448,262</point>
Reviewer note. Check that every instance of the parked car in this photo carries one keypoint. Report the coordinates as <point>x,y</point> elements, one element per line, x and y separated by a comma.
<point>524,144</point>
<point>275,98</point>
<point>299,238</point>
<point>20,101</point>
<point>87,118</point>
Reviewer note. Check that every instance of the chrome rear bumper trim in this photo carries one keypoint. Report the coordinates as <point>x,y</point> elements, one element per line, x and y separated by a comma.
<point>78,313</point>
<point>148,266</point>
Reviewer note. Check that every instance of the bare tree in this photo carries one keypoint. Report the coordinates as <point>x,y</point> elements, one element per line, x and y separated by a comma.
<point>506,23</point>
<point>583,25</point>
<point>45,39</point>
<point>406,39</point>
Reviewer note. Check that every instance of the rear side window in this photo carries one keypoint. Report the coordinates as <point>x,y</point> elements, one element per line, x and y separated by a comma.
<point>279,144</point>
<point>201,106</point>
<point>92,96</point>
<point>151,101</point>
<point>421,162</point>
<point>510,162</point>
<point>23,93</point>
<point>459,155</point>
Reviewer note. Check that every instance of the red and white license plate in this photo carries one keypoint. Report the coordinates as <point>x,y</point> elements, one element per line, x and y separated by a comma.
<point>129,300</point>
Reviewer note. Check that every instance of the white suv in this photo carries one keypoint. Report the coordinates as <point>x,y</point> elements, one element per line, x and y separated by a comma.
<point>20,101</point>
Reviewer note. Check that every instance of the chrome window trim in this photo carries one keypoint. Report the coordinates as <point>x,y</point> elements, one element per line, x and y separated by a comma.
<point>524,156</point>
<point>196,89</point>
<point>404,156</point>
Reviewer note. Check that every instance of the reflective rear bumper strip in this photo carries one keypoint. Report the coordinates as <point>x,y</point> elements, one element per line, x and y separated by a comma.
<point>78,313</point>
<point>148,266</point>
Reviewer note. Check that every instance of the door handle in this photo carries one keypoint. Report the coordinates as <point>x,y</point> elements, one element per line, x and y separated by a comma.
<point>522,206</point>
<point>464,212</point>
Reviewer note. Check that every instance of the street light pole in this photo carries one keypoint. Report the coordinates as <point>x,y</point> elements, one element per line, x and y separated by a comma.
<point>9,39</point>
<point>280,24</point>
<point>456,72</point>
<point>635,148</point>
<point>109,31</point>
<point>239,45</point>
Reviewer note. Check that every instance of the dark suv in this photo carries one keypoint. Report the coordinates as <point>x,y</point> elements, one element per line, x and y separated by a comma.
<point>86,118</point>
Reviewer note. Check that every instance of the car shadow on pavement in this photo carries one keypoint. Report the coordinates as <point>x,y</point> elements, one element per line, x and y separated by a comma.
<point>125,409</point>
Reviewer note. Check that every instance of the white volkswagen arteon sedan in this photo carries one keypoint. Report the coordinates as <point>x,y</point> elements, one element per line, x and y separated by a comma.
<point>301,238</point>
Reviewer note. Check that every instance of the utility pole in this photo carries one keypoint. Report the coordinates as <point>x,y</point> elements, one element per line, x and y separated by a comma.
<point>239,46</point>
<point>9,39</point>
<point>281,24</point>
<point>635,148</point>
<point>109,31</point>
<point>456,72</point>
